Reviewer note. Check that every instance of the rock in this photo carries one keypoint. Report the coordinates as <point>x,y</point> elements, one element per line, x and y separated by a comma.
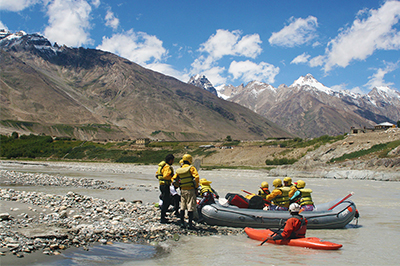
<point>5,216</point>
<point>12,246</point>
<point>63,215</point>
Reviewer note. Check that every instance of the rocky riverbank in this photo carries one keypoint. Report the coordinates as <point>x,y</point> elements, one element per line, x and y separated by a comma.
<point>48,223</point>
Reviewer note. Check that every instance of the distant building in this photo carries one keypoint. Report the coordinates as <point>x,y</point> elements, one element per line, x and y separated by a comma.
<point>142,141</point>
<point>207,146</point>
<point>384,126</point>
<point>354,130</point>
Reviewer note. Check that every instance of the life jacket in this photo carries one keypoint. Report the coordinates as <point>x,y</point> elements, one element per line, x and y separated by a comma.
<point>160,176</point>
<point>185,177</point>
<point>282,200</point>
<point>306,197</point>
<point>301,232</point>
<point>263,193</point>
<point>205,188</point>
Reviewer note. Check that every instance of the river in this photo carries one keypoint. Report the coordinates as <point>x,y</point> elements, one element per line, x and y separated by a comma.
<point>374,241</point>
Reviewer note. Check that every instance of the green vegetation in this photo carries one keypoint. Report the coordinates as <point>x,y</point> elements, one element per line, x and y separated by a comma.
<point>39,147</point>
<point>280,161</point>
<point>33,146</point>
<point>302,143</point>
<point>18,124</point>
<point>381,150</point>
<point>202,152</point>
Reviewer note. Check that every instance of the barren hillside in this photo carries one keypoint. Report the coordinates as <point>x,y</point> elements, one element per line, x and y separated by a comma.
<point>315,163</point>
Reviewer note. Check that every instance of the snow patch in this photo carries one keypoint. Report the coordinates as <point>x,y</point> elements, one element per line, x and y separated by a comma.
<point>311,82</point>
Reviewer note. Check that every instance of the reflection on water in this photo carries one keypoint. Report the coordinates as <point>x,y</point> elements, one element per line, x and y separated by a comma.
<point>374,242</point>
<point>114,254</point>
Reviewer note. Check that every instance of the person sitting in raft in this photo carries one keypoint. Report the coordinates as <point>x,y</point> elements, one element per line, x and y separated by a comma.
<point>264,191</point>
<point>295,227</point>
<point>279,196</point>
<point>287,182</point>
<point>303,196</point>
<point>207,194</point>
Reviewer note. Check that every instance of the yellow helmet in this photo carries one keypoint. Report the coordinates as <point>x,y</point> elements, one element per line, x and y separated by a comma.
<point>301,184</point>
<point>264,184</point>
<point>187,157</point>
<point>287,180</point>
<point>277,182</point>
<point>204,181</point>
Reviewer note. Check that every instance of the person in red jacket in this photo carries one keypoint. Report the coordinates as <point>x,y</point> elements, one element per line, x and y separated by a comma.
<point>295,227</point>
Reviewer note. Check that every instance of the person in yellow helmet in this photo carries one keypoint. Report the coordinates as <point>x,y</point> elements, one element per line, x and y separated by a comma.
<point>287,182</point>
<point>208,195</point>
<point>187,178</point>
<point>164,174</point>
<point>303,196</point>
<point>264,191</point>
<point>279,196</point>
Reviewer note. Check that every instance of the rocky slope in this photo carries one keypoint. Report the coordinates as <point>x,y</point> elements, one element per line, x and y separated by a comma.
<point>307,108</point>
<point>91,94</point>
<point>315,163</point>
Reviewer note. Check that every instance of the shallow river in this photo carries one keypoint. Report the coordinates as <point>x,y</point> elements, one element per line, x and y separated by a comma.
<point>375,241</point>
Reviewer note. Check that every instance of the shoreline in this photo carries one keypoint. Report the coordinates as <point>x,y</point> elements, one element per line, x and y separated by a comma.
<point>38,222</point>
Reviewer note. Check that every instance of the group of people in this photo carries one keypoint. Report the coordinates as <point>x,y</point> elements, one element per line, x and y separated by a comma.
<point>284,194</point>
<point>186,178</point>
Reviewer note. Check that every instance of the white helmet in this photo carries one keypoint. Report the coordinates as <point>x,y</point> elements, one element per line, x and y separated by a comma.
<point>294,207</point>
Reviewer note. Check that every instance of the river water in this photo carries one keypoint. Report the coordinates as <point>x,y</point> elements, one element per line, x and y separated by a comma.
<point>374,241</point>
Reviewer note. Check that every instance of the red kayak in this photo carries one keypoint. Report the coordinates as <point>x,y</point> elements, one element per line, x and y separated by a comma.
<point>307,242</point>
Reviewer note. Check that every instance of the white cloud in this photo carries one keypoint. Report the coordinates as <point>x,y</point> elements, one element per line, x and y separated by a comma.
<point>357,90</point>
<point>303,58</point>
<point>317,61</point>
<point>167,69</point>
<point>376,32</point>
<point>16,5</point>
<point>69,22</point>
<point>298,32</point>
<point>377,79</point>
<point>249,71</point>
<point>111,20</point>
<point>339,87</point>
<point>225,42</point>
<point>96,3</point>
<point>2,26</point>
<point>208,67</point>
<point>138,47</point>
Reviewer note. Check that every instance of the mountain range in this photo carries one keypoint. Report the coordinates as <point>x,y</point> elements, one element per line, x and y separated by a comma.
<point>308,109</point>
<point>91,94</point>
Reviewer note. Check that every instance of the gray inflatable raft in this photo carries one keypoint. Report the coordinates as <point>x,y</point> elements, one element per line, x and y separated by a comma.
<point>320,218</point>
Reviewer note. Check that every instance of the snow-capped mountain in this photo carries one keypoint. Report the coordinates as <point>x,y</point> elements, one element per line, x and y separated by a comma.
<point>202,82</point>
<point>308,108</point>
<point>93,94</point>
<point>308,82</point>
<point>22,40</point>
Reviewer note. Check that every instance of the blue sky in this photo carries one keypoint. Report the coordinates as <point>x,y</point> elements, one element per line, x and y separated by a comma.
<point>352,45</point>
